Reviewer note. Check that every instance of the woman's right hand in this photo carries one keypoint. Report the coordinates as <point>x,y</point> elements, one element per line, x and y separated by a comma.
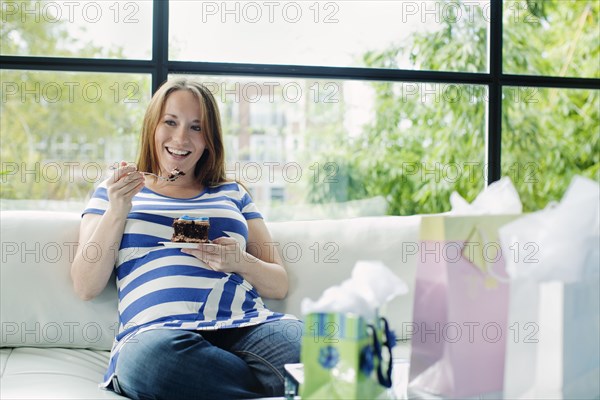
<point>90,276</point>
<point>125,183</point>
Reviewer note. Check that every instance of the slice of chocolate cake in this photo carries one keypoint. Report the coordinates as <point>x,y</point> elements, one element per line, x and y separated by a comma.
<point>191,229</point>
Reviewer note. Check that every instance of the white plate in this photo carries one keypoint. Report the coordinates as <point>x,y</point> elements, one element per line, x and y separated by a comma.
<point>180,245</point>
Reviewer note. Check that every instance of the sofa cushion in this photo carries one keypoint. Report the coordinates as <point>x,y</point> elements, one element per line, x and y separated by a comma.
<point>319,254</point>
<point>42,373</point>
<point>38,306</point>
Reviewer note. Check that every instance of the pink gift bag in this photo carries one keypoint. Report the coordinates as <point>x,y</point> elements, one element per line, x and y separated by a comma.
<point>460,311</point>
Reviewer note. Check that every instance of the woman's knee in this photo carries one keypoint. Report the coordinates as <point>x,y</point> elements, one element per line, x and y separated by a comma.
<point>268,348</point>
<point>146,362</point>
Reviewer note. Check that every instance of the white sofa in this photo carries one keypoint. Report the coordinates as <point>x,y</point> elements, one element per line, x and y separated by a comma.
<point>54,345</point>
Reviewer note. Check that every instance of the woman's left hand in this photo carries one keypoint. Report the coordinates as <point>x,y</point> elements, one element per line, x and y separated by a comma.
<point>222,254</point>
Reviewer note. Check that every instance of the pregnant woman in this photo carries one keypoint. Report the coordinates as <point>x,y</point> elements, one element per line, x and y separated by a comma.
<point>192,322</point>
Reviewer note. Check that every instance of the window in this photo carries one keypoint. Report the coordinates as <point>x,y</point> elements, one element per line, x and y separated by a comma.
<point>61,130</point>
<point>549,135</point>
<point>329,33</point>
<point>330,108</point>
<point>93,29</point>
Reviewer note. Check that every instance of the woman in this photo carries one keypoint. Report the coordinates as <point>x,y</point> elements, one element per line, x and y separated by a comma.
<point>191,321</point>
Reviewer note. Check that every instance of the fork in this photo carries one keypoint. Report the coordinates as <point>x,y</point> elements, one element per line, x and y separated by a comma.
<point>170,178</point>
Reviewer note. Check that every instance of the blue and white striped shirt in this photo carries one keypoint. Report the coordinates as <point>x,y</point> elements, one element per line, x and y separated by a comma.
<point>161,287</point>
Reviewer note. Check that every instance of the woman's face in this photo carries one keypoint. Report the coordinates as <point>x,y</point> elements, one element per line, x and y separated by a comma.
<point>178,138</point>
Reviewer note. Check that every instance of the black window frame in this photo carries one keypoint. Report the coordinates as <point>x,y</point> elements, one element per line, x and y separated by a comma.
<point>159,67</point>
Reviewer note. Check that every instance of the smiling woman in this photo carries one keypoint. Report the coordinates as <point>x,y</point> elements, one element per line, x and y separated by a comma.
<point>179,143</point>
<point>182,129</point>
<point>170,298</point>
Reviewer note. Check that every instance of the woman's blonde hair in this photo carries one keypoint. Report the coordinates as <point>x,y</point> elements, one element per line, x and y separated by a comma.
<point>210,169</point>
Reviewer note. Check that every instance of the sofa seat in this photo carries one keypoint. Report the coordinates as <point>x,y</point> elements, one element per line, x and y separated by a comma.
<point>53,373</point>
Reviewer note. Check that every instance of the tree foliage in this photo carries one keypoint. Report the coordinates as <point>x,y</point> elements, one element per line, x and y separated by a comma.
<point>418,150</point>
<point>550,135</point>
<point>59,117</point>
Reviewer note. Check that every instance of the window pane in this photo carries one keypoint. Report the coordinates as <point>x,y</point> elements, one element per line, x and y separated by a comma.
<point>61,130</point>
<point>548,136</point>
<point>310,149</point>
<point>87,29</point>
<point>436,35</point>
<point>552,37</point>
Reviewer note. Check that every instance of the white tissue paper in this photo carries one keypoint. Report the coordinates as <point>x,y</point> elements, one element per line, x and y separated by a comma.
<point>560,242</point>
<point>501,197</point>
<point>371,286</point>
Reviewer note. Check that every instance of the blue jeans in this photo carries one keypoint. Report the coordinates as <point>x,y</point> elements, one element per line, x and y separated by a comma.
<point>225,364</point>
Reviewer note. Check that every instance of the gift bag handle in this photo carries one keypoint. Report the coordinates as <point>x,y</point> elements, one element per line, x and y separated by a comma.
<point>389,342</point>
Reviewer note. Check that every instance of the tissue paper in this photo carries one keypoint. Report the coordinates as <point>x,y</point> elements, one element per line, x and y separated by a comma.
<point>560,242</point>
<point>370,286</point>
<point>500,197</point>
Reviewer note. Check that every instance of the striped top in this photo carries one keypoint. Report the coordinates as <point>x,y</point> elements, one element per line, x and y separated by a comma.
<point>161,287</point>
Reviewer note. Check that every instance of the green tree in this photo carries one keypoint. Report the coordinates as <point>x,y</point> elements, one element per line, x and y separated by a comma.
<point>51,120</point>
<point>550,135</point>
<point>417,151</point>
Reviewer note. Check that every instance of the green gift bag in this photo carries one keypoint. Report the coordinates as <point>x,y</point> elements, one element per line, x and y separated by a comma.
<point>343,357</point>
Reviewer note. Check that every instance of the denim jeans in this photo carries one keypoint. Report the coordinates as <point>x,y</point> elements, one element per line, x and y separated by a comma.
<point>223,364</point>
